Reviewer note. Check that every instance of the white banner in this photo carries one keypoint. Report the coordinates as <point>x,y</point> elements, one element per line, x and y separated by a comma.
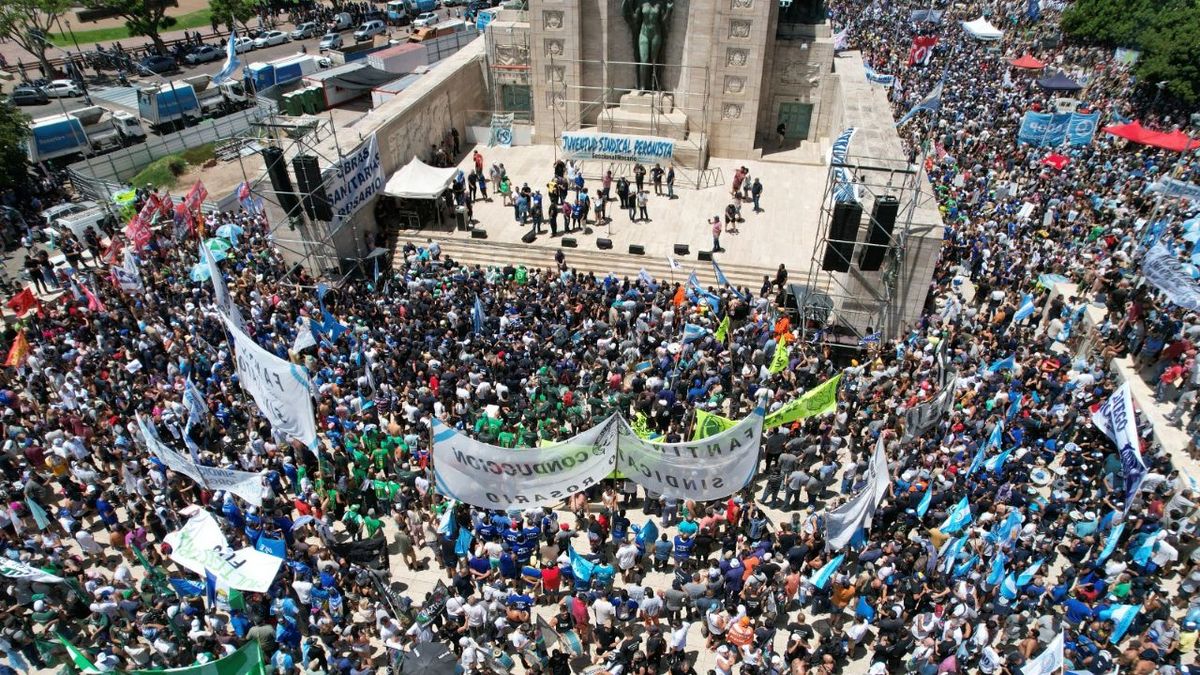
<point>247,485</point>
<point>711,468</point>
<point>18,570</point>
<point>220,292</point>
<point>619,147</point>
<point>280,388</point>
<point>200,546</point>
<point>1117,419</point>
<point>842,522</point>
<point>359,177</point>
<point>499,478</point>
<point>1164,271</point>
<point>1172,188</point>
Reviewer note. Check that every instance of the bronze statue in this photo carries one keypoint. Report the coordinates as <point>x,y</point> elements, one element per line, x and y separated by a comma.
<point>649,20</point>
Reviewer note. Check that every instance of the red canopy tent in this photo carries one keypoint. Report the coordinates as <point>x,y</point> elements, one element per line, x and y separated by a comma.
<point>1176,140</point>
<point>1027,62</point>
<point>1134,131</point>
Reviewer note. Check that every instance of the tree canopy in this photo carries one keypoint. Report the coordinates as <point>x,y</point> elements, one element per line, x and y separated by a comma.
<point>28,22</point>
<point>14,129</point>
<point>1167,32</point>
<point>142,17</point>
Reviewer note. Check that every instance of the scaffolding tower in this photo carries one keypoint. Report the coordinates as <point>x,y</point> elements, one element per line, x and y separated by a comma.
<point>857,308</point>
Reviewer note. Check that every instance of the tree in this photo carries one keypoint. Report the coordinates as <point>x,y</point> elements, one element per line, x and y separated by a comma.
<point>142,17</point>
<point>229,11</point>
<point>14,129</point>
<point>27,23</point>
<point>1165,31</point>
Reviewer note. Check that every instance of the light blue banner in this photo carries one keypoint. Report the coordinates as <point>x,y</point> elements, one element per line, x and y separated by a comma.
<point>1082,128</point>
<point>1044,129</point>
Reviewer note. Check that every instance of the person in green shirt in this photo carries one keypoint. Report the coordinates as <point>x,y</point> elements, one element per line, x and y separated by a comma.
<point>371,523</point>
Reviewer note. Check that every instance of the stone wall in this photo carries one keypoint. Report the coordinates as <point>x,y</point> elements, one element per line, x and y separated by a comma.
<point>798,70</point>
<point>742,36</point>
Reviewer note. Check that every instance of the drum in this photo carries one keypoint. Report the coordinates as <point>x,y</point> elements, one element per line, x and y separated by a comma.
<point>574,644</point>
<point>502,662</point>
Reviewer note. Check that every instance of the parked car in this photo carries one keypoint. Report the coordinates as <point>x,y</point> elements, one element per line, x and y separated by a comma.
<point>65,209</point>
<point>243,44</point>
<point>158,64</point>
<point>425,19</point>
<point>369,30</point>
<point>28,95</point>
<point>203,54</point>
<point>63,89</point>
<point>306,30</point>
<point>341,21</point>
<point>270,39</point>
<point>330,41</point>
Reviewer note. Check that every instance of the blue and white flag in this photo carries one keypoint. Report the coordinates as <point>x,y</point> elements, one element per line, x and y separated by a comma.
<point>877,77</point>
<point>1004,364</point>
<point>721,278</point>
<point>581,567</point>
<point>1081,128</point>
<point>1141,555</point>
<point>997,573</point>
<point>923,507</point>
<point>1008,588</point>
<point>1013,408</point>
<point>967,566</point>
<point>462,544</point>
<point>645,277</point>
<point>1121,616</point>
<point>1002,533</point>
<point>1027,576</point>
<point>841,39</point>
<point>821,578</point>
<point>844,190</point>
<point>931,102</point>
<point>447,525</point>
<point>1026,309</point>
<point>1045,130</point>
<point>976,461</point>
<point>925,15</point>
<point>692,332</point>
<point>996,464</point>
<point>1110,544</point>
<point>185,588</point>
<point>210,588</point>
<point>477,317</point>
<point>231,60</point>
<point>949,553</point>
<point>958,518</point>
<point>1116,418</point>
<point>1050,661</point>
<point>332,327</point>
<point>996,437</point>
<point>196,404</point>
<point>871,339</point>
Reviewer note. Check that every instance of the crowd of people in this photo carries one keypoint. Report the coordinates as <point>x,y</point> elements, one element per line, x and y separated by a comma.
<point>1048,548</point>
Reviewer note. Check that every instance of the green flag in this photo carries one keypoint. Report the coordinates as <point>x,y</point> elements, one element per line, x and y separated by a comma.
<point>78,658</point>
<point>708,424</point>
<point>780,360</point>
<point>817,401</point>
<point>247,660</point>
<point>39,514</point>
<point>722,330</point>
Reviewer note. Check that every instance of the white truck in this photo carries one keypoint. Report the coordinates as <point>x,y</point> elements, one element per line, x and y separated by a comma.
<point>221,99</point>
<point>86,131</point>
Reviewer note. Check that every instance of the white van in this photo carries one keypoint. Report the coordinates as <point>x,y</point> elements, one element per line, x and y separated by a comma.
<point>341,21</point>
<point>369,30</point>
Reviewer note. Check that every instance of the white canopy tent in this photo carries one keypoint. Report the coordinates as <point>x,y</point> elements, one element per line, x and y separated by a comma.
<point>980,29</point>
<point>418,180</point>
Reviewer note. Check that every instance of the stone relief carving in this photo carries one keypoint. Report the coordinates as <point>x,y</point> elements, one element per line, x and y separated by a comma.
<point>742,4</point>
<point>731,111</point>
<point>555,73</point>
<point>412,138</point>
<point>734,84</point>
<point>554,48</point>
<point>556,100</point>
<point>512,55</point>
<point>794,72</point>
<point>552,19</point>
<point>739,28</point>
<point>736,58</point>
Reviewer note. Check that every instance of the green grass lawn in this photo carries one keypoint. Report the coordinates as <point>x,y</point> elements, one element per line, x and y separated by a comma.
<point>198,19</point>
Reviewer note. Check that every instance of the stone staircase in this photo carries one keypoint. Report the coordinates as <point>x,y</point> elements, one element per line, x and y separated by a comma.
<point>487,253</point>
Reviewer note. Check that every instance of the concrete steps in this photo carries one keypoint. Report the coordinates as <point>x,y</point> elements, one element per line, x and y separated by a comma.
<point>589,259</point>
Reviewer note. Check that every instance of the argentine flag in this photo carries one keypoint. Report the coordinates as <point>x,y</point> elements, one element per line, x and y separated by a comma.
<point>958,518</point>
<point>923,507</point>
<point>1025,310</point>
<point>931,102</point>
<point>231,60</point>
<point>823,575</point>
<point>1121,616</point>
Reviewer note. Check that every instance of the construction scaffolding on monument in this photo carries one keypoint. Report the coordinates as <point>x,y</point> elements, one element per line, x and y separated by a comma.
<point>854,274</point>
<point>600,108</point>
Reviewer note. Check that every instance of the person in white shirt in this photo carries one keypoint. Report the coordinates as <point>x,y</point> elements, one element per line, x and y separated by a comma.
<point>626,559</point>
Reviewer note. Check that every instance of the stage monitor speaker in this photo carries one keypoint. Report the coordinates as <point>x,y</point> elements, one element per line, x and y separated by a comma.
<point>843,231</point>
<point>879,233</point>
<point>281,183</point>
<point>603,243</point>
<point>478,233</point>
<point>637,249</point>
<point>682,249</point>
<point>705,256</point>
<point>529,237</point>
<point>312,188</point>
<point>569,242</point>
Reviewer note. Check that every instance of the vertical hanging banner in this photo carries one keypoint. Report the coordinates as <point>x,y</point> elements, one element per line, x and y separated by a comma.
<point>359,177</point>
<point>844,189</point>
<point>1082,127</point>
<point>712,468</point>
<point>281,389</point>
<point>1117,419</point>
<point>502,124</point>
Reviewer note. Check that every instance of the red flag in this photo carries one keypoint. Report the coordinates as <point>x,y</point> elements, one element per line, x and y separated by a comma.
<point>166,206</point>
<point>94,303</point>
<point>22,302</point>
<point>18,352</point>
<point>109,257</point>
<point>1056,160</point>
<point>138,232</point>
<point>922,49</point>
<point>243,191</point>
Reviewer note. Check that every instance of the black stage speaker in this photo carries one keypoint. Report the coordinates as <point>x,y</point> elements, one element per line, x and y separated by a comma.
<point>603,243</point>
<point>843,231</point>
<point>478,233</point>
<point>704,255</point>
<point>529,237</point>
<point>682,249</point>
<point>569,242</point>
<point>312,189</point>
<point>637,249</point>
<point>281,184</point>
<point>879,233</point>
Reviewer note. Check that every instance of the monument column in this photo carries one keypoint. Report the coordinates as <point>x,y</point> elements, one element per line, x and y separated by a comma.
<point>743,34</point>
<point>555,38</point>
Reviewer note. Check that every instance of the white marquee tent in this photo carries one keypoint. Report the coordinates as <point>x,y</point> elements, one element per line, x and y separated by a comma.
<point>980,29</point>
<point>418,180</point>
